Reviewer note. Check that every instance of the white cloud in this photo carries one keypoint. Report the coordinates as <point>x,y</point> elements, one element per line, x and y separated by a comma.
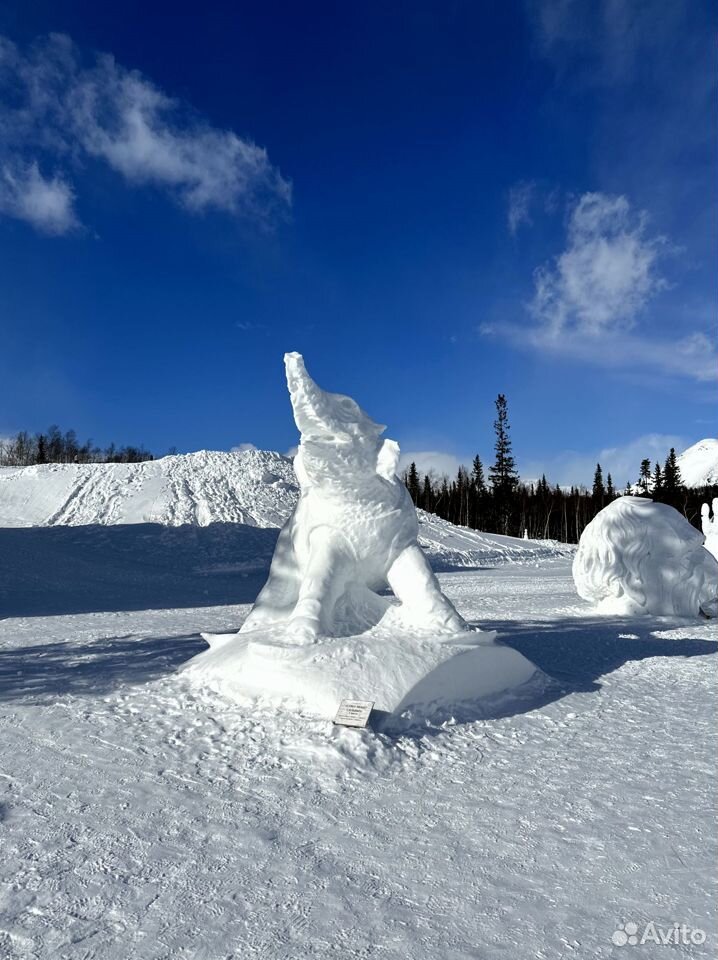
<point>44,203</point>
<point>54,105</point>
<point>589,301</point>
<point>605,276</point>
<point>571,467</point>
<point>521,196</point>
<point>243,448</point>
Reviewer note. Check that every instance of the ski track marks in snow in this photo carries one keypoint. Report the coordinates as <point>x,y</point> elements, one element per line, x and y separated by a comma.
<point>142,819</point>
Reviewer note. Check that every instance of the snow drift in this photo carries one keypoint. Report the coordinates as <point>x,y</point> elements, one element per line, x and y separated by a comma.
<point>640,557</point>
<point>322,629</point>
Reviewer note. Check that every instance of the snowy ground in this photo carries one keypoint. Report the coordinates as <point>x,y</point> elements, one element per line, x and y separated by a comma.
<point>143,819</point>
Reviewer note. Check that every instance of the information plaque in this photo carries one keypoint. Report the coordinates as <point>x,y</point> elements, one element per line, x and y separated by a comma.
<point>354,713</point>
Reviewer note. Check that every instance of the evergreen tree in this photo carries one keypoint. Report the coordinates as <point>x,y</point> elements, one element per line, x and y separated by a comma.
<point>412,483</point>
<point>599,491</point>
<point>477,475</point>
<point>503,476</point>
<point>610,491</point>
<point>657,482</point>
<point>644,477</point>
<point>427,495</point>
<point>672,480</point>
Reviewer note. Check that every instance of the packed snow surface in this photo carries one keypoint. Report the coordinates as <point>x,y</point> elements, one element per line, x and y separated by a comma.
<point>143,818</point>
<point>323,629</point>
<point>638,557</point>
<point>699,464</point>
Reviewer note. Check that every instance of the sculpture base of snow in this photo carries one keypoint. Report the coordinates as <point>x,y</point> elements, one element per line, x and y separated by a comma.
<point>402,669</point>
<point>641,557</point>
<point>322,628</point>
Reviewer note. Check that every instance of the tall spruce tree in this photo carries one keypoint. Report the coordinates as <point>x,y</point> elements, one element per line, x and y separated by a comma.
<point>610,489</point>
<point>503,476</point>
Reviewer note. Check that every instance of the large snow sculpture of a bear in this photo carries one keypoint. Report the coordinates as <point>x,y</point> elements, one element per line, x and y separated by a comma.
<point>640,557</point>
<point>353,532</point>
<point>323,629</point>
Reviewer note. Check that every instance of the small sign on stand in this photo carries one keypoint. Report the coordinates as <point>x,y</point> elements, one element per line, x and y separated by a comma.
<point>354,713</point>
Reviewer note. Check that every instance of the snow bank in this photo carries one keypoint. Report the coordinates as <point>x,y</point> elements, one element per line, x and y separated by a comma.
<point>640,557</point>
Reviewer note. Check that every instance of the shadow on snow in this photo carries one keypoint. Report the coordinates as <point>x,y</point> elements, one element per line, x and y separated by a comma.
<point>47,571</point>
<point>572,653</point>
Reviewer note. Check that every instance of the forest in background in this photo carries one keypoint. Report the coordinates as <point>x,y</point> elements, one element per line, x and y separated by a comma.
<point>502,503</point>
<point>54,446</point>
<point>496,501</point>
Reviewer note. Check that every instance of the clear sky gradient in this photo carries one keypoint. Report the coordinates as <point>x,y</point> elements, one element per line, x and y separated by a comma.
<point>434,202</point>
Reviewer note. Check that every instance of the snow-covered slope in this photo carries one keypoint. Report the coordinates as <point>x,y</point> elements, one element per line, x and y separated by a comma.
<point>256,488</point>
<point>699,463</point>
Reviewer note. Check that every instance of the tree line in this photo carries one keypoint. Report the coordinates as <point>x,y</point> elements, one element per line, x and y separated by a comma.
<point>500,503</point>
<point>54,446</point>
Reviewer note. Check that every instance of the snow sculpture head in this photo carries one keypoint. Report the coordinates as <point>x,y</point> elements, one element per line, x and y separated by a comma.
<point>353,532</point>
<point>638,557</point>
<point>339,441</point>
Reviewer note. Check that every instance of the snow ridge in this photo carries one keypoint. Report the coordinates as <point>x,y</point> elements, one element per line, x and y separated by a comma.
<point>254,487</point>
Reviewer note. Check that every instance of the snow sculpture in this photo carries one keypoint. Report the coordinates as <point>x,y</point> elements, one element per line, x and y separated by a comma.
<point>320,630</point>
<point>710,527</point>
<point>641,557</point>
<point>353,532</point>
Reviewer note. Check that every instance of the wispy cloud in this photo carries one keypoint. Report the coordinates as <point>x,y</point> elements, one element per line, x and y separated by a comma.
<point>571,467</point>
<point>436,463</point>
<point>521,196</point>
<point>605,276</point>
<point>590,301</point>
<point>46,203</point>
<point>54,106</point>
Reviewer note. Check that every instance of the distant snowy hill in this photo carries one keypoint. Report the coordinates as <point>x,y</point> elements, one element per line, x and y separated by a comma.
<point>251,489</point>
<point>699,463</point>
<point>254,487</point>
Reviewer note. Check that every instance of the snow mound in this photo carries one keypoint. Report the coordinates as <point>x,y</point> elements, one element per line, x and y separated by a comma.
<point>640,557</point>
<point>699,464</point>
<point>452,547</point>
<point>254,487</point>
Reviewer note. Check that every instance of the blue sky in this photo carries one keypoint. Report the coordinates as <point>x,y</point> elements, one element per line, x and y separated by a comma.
<point>434,202</point>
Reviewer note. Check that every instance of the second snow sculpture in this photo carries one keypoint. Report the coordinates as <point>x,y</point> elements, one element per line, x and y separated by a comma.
<point>638,557</point>
<point>709,525</point>
<point>353,532</point>
<point>322,628</point>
